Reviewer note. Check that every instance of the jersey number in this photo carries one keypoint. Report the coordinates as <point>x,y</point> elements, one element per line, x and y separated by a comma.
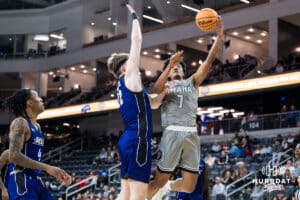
<point>119,96</point>
<point>180,100</point>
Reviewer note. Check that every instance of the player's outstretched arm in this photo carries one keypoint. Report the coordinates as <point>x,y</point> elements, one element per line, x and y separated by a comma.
<point>160,83</point>
<point>201,73</point>
<point>3,161</point>
<point>156,101</point>
<point>18,134</point>
<point>132,76</point>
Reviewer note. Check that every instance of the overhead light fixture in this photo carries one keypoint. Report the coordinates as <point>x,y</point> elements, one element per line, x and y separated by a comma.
<point>297,49</point>
<point>189,8</point>
<point>82,66</point>
<point>235,56</point>
<point>76,86</point>
<point>10,39</point>
<point>114,23</point>
<point>200,41</point>
<point>109,18</point>
<point>214,37</point>
<point>145,53</point>
<point>247,37</point>
<point>168,2</point>
<point>85,71</point>
<point>194,63</point>
<point>251,30</point>
<point>94,69</point>
<point>112,95</point>
<point>153,19</point>
<point>44,38</point>
<point>259,41</point>
<point>258,71</point>
<point>73,68</point>
<point>66,124</point>
<point>148,73</point>
<point>51,73</point>
<point>149,7</point>
<point>235,33</point>
<point>56,36</point>
<point>157,56</point>
<point>245,1</point>
<point>169,53</point>
<point>264,33</point>
<point>60,88</point>
<point>157,50</point>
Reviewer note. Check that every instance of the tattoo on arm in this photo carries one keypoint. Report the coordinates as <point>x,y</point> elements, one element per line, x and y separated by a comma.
<point>18,129</point>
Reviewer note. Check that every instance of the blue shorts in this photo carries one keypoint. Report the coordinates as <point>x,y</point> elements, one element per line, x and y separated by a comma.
<point>21,186</point>
<point>136,158</point>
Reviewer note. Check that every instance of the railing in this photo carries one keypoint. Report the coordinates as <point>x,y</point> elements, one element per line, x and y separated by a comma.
<point>260,122</point>
<point>60,151</point>
<point>248,180</point>
<point>114,173</point>
<point>72,190</point>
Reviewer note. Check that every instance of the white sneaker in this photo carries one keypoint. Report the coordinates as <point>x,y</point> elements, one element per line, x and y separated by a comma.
<point>161,192</point>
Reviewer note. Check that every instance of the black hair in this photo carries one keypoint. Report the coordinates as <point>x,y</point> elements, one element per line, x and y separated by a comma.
<point>182,64</point>
<point>16,103</point>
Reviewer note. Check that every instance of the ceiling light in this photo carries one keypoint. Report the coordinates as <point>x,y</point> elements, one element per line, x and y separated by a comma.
<point>149,7</point>
<point>200,62</point>
<point>247,37</point>
<point>56,36</point>
<point>169,53</point>
<point>93,24</point>
<point>235,56</point>
<point>85,71</point>
<point>297,49</point>
<point>82,66</point>
<point>200,41</point>
<point>109,18</point>
<point>72,68</point>
<point>114,23</point>
<point>157,56</point>
<point>145,53</point>
<point>189,8</point>
<point>76,86</point>
<point>10,39</point>
<point>251,30</point>
<point>66,124</point>
<point>258,71</point>
<point>214,37</point>
<point>168,2</point>
<point>94,69</point>
<point>157,50</point>
<point>235,33</point>
<point>51,73</point>
<point>259,41</point>
<point>112,95</point>
<point>44,38</point>
<point>245,1</point>
<point>60,88</point>
<point>148,73</point>
<point>264,34</point>
<point>153,19</point>
<point>194,63</point>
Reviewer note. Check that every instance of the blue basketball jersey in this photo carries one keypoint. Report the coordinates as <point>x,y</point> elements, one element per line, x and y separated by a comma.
<point>197,193</point>
<point>135,110</point>
<point>33,149</point>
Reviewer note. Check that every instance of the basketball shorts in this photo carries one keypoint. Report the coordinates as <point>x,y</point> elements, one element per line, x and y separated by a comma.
<point>179,147</point>
<point>21,186</point>
<point>136,158</point>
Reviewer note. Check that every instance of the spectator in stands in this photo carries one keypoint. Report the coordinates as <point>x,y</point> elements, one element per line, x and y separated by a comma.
<point>216,147</point>
<point>277,147</point>
<point>242,169</point>
<point>283,117</point>
<point>224,145</point>
<point>266,150</point>
<point>223,158</point>
<point>103,155</point>
<point>96,162</point>
<point>292,116</point>
<point>279,67</point>
<point>227,178</point>
<point>218,188</point>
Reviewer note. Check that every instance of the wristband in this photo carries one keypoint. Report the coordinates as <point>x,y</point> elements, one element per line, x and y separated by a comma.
<point>134,16</point>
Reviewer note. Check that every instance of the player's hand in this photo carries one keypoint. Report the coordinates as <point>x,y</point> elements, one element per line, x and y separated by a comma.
<point>176,59</point>
<point>58,173</point>
<point>131,10</point>
<point>67,181</point>
<point>4,194</point>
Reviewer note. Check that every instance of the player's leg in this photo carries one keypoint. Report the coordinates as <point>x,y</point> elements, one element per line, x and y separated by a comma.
<point>159,181</point>
<point>189,164</point>
<point>138,189</point>
<point>185,184</point>
<point>125,190</point>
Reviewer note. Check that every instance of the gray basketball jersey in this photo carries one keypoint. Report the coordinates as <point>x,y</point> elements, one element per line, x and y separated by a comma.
<point>180,104</point>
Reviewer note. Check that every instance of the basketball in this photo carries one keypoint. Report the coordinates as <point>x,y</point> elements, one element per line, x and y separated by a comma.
<point>207,19</point>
